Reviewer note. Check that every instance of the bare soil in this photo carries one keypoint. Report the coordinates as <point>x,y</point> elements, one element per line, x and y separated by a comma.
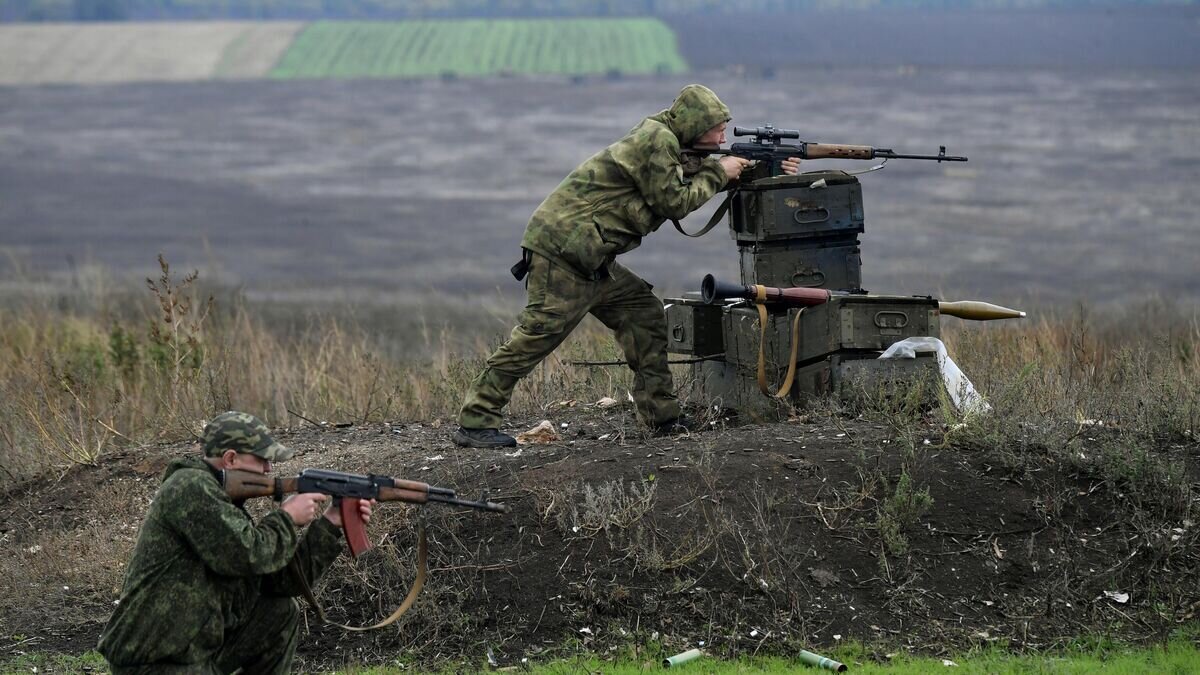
<point>756,538</point>
<point>96,53</point>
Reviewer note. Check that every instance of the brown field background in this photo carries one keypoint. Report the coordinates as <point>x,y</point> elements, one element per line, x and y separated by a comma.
<point>80,53</point>
<point>1080,185</point>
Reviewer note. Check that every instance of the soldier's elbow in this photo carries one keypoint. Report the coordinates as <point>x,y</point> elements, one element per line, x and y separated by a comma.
<point>675,210</point>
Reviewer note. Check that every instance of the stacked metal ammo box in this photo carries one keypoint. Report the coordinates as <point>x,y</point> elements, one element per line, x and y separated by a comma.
<point>796,231</point>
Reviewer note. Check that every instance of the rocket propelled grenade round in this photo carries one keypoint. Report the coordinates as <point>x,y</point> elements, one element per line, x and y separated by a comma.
<point>712,291</point>
<point>974,310</point>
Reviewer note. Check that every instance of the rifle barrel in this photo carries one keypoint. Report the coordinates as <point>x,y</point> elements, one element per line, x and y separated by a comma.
<point>481,505</point>
<point>889,154</point>
<point>833,151</point>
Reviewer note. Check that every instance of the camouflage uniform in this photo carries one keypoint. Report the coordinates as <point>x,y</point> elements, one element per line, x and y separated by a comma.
<point>209,590</point>
<point>602,209</point>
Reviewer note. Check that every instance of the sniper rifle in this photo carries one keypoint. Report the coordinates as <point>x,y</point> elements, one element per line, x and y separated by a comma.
<point>766,147</point>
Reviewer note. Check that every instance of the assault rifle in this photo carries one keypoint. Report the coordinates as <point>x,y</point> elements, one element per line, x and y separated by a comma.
<point>766,147</point>
<point>346,489</point>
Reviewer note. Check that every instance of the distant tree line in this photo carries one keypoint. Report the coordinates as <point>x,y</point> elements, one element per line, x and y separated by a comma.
<point>118,10</point>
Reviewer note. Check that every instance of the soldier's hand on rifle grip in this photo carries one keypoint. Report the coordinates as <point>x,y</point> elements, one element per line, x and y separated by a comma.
<point>334,515</point>
<point>791,166</point>
<point>733,166</point>
<point>304,508</point>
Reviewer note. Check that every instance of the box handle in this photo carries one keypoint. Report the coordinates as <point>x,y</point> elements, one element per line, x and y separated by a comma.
<point>891,319</point>
<point>809,278</point>
<point>801,221</point>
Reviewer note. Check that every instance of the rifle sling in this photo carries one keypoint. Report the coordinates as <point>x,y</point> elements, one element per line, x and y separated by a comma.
<point>418,583</point>
<point>762,346</point>
<point>712,222</point>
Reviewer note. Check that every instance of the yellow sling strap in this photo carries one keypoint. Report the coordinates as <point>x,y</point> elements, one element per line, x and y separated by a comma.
<point>760,302</point>
<point>418,584</point>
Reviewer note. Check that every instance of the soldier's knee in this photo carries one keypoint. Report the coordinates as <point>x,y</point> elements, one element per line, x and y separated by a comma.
<point>647,311</point>
<point>648,327</point>
<point>283,613</point>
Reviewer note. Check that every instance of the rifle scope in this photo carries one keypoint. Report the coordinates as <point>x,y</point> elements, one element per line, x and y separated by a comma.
<point>767,133</point>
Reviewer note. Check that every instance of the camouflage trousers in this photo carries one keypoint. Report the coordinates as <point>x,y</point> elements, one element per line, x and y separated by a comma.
<point>264,643</point>
<point>557,301</point>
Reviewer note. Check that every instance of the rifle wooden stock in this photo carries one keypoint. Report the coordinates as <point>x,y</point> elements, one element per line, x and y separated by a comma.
<point>837,151</point>
<point>387,494</point>
<point>415,486</point>
<point>243,485</point>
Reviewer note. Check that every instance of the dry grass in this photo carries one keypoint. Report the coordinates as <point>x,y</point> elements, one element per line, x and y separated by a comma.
<point>1134,373</point>
<point>82,374</point>
<point>1111,396</point>
<point>97,368</point>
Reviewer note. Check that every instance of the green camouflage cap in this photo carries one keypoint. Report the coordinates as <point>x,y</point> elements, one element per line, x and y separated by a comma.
<point>244,433</point>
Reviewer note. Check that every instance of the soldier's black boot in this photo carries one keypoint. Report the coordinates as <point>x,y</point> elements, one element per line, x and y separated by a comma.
<point>483,438</point>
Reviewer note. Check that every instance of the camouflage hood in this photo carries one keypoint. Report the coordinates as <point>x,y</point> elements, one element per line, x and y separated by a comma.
<point>695,110</point>
<point>626,191</point>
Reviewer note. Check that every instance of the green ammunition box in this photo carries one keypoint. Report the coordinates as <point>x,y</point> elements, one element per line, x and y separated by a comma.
<point>693,327</point>
<point>868,377</point>
<point>856,376</point>
<point>790,207</point>
<point>790,264</point>
<point>724,385</point>
<point>741,334</point>
<point>800,231</point>
<point>865,323</point>
<point>854,323</point>
<point>851,377</point>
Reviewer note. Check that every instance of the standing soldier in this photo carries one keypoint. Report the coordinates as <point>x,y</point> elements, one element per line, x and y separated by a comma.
<point>602,209</point>
<point>209,590</point>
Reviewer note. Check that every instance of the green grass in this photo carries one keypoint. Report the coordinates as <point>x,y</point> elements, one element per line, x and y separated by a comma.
<point>1084,656</point>
<point>43,662</point>
<point>335,49</point>
<point>1180,657</point>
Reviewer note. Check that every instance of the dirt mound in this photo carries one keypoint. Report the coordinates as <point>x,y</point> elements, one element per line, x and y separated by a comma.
<point>763,537</point>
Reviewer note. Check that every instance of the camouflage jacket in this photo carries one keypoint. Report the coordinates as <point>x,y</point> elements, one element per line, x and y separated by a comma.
<point>199,566</point>
<point>609,202</point>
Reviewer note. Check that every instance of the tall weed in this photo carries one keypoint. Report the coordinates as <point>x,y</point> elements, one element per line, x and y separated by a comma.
<point>79,377</point>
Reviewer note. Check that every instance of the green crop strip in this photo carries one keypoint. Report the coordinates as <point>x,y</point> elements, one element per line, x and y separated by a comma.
<point>472,48</point>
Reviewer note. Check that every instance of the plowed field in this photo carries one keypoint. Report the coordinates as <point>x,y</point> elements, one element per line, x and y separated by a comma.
<point>130,52</point>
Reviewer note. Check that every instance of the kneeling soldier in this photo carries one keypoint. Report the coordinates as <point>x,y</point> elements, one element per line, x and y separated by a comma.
<point>209,590</point>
